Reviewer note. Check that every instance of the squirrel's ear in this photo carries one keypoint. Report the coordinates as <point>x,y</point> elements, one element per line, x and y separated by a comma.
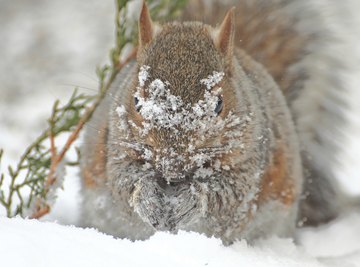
<point>224,39</point>
<point>146,26</point>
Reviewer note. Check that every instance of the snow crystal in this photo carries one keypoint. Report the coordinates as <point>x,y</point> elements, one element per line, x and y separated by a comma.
<point>199,159</point>
<point>143,75</point>
<point>226,167</point>
<point>217,165</point>
<point>146,166</point>
<point>203,172</point>
<point>147,154</point>
<point>213,79</point>
<point>120,110</point>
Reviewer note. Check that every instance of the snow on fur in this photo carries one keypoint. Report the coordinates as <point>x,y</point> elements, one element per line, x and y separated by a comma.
<point>161,109</point>
<point>213,79</point>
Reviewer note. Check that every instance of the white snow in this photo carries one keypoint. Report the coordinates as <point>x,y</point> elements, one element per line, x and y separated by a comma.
<point>35,243</point>
<point>35,60</point>
<point>213,79</point>
<point>143,75</point>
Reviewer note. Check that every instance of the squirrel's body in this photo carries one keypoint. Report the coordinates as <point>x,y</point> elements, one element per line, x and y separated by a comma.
<point>205,132</point>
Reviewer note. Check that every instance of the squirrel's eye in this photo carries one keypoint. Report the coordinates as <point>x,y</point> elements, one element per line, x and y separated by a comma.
<point>136,103</point>
<point>219,106</point>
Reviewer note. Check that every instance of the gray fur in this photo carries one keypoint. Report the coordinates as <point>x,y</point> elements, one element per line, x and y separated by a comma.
<point>316,100</point>
<point>133,196</point>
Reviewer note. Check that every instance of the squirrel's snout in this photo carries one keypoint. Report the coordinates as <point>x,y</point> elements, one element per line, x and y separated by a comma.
<point>170,179</point>
<point>175,171</point>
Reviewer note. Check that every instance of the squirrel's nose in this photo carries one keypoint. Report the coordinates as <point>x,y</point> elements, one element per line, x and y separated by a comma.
<point>171,179</point>
<point>173,170</point>
<point>174,176</point>
<point>170,168</point>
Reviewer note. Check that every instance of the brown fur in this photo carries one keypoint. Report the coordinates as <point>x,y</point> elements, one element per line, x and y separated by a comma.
<point>146,28</point>
<point>275,183</point>
<point>265,32</point>
<point>168,64</point>
<point>93,172</point>
<point>260,173</point>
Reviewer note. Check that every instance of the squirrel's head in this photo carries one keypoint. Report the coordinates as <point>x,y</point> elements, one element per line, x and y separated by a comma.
<point>180,125</point>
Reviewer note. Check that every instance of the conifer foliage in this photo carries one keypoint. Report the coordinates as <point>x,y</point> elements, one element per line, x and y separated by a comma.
<point>29,189</point>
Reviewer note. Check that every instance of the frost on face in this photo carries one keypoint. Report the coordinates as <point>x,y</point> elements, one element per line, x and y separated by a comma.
<point>143,75</point>
<point>175,165</point>
<point>212,80</point>
<point>161,110</point>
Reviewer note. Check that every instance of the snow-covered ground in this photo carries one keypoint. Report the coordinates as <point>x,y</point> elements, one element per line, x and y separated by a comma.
<point>48,46</point>
<point>33,243</point>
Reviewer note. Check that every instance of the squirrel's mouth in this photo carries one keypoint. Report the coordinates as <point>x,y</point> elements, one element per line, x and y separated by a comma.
<point>165,205</point>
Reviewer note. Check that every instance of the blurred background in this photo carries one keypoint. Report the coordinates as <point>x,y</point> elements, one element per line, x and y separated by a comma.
<point>47,47</point>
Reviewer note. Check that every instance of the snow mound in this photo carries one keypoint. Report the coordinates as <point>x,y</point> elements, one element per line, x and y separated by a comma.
<point>35,243</point>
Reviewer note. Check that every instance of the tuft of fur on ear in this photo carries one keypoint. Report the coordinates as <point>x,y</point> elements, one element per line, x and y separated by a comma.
<point>224,39</point>
<point>146,27</point>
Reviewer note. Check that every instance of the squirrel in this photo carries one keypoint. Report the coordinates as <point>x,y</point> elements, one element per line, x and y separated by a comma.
<point>221,130</point>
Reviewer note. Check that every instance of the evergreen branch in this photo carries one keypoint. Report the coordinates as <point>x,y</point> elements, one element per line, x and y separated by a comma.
<point>42,207</point>
<point>34,164</point>
<point>33,182</point>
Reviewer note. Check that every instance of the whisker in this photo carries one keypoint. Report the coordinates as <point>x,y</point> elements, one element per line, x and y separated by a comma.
<point>92,89</point>
<point>93,127</point>
<point>80,86</point>
<point>97,143</point>
<point>89,76</point>
<point>133,145</point>
<point>211,149</point>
